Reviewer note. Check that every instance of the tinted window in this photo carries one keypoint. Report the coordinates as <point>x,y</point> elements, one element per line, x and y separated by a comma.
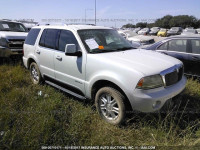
<point>163,46</point>
<point>32,36</point>
<point>12,26</point>
<point>195,46</point>
<point>67,37</point>
<point>49,38</point>
<point>42,38</point>
<point>177,45</point>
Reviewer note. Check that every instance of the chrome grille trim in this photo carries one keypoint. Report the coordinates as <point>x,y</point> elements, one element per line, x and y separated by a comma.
<point>176,68</point>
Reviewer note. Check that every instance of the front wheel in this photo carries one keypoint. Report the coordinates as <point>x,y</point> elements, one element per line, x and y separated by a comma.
<point>110,105</point>
<point>35,73</point>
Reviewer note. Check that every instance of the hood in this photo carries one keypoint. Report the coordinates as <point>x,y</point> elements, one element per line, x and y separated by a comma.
<point>140,38</point>
<point>146,62</point>
<point>13,35</point>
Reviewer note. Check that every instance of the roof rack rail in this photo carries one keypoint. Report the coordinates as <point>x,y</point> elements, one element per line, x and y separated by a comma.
<point>48,24</point>
<point>6,19</point>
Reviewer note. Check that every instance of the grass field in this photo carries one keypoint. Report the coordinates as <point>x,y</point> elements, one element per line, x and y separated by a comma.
<point>30,121</point>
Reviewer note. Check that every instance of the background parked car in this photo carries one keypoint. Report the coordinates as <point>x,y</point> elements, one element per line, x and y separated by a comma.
<point>154,31</point>
<point>198,30</point>
<point>185,48</point>
<point>126,34</point>
<point>135,38</point>
<point>12,37</point>
<point>137,29</point>
<point>174,31</point>
<point>162,32</point>
<point>144,31</point>
<point>189,32</point>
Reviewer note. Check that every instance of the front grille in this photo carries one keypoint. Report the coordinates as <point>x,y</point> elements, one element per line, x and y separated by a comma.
<point>16,43</point>
<point>174,77</point>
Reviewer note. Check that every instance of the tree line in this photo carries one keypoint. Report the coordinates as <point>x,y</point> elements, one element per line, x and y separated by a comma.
<point>169,21</point>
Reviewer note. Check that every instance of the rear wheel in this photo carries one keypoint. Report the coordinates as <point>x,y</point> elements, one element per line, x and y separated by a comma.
<point>35,73</point>
<point>110,105</point>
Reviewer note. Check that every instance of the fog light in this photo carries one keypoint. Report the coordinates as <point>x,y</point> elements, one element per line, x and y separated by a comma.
<point>156,104</point>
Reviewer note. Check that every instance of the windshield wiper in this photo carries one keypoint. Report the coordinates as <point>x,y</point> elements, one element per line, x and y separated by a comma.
<point>101,51</point>
<point>125,48</point>
<point>5,30</point>
<point>112,50</point>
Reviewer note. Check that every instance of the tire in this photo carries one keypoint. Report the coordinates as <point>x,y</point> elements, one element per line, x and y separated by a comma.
<point>110,105</point>
<point>35,73</point>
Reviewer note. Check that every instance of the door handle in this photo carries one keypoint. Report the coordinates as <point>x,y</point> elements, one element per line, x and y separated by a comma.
<point>38,51</point>
<point>59,58</point>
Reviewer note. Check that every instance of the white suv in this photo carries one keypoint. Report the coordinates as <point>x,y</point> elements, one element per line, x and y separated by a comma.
<point>97,63</point>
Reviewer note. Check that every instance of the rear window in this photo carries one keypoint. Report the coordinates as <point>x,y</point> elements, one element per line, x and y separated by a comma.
<point>32,36</point>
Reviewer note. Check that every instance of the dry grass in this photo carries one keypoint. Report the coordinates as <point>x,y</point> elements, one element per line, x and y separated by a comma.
<point>29,121</point>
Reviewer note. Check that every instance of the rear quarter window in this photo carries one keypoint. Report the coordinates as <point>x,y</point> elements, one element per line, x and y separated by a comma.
<point>195,46</point>
<point>32,36</point>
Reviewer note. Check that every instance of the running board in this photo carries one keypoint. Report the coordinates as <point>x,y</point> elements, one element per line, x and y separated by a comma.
<point>65,90</point>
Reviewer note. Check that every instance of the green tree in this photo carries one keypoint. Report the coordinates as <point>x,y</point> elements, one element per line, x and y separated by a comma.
<point>141,24</point>
<point>128,26</point>
<point>164,21</point>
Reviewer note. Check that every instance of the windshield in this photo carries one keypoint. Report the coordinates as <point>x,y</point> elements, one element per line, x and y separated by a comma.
<point>175,28</point>
<point>12,26</point>
<point>131,33</point>
<point>163,30</point>
<point>190,31</point>
<point>145,29</point>
<point>154,28</point>
<point>103,40</point>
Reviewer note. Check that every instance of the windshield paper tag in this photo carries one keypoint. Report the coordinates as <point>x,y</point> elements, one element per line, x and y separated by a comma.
<point>5,25</point>
<point>92,43</point>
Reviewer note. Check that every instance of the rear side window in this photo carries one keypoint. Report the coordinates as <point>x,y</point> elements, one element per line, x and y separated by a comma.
<point>195,46</point>
<point>49,38</point>
<point>32,36</point>
<point>67,37</point>
<point>177,45</point>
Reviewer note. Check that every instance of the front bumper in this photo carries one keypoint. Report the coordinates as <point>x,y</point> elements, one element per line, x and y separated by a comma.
<point>153,99</point>
<point>7,52</point>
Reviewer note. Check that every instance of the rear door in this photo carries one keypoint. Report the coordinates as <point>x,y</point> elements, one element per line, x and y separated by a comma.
<point>176,48</point>
<point>45,51</point>
<point>194,56</point>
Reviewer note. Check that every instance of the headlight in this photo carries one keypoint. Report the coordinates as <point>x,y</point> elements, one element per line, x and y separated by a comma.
<point>150,82</point>
<point>3,42</point>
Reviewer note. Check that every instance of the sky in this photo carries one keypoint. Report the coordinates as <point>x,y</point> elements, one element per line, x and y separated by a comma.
<point>109,12</point>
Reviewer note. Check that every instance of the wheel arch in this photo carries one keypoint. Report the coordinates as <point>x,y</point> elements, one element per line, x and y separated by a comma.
<point>30,60</point>
<point>103,83</point>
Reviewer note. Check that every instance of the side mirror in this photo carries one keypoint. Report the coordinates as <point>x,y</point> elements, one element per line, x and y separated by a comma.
<point>70,50</point>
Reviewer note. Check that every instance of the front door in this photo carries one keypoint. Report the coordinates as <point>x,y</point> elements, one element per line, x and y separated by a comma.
<point>69,69</point>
